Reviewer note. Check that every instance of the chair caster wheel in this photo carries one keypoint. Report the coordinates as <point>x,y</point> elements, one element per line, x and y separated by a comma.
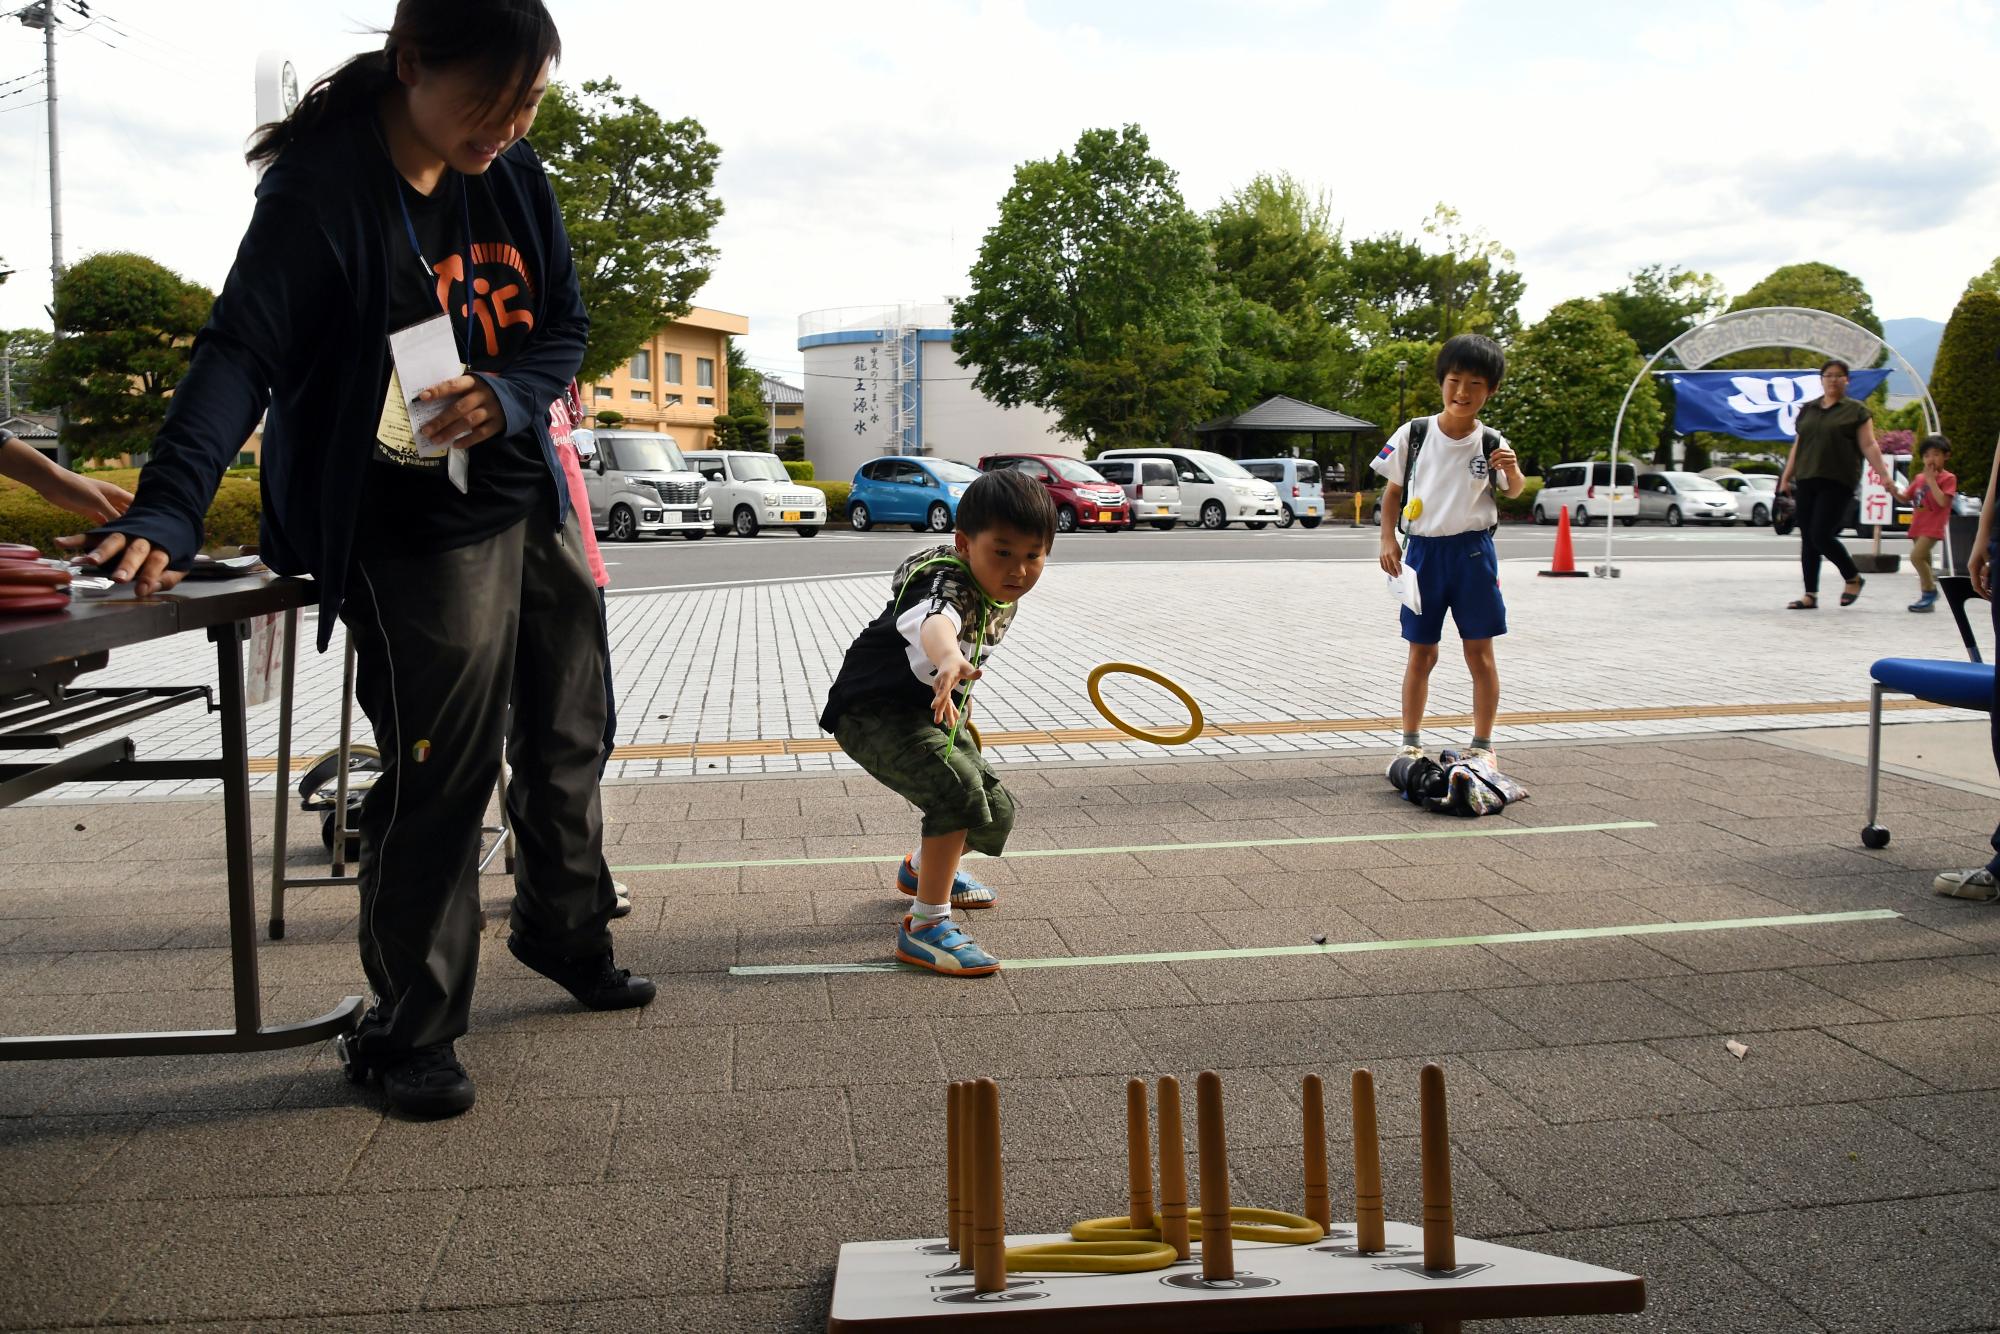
<point>277,930</point>
<point>352,1065</point>
<point>1874,836</point>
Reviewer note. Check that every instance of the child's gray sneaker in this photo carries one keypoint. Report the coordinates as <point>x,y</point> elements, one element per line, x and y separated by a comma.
<point>1977,885</point>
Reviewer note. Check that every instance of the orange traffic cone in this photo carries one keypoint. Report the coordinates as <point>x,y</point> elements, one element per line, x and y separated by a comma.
<point>1564,565</point>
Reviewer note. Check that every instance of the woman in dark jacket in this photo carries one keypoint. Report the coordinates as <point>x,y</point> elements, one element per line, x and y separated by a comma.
<point>402,193</point>
<point>1834,435</point>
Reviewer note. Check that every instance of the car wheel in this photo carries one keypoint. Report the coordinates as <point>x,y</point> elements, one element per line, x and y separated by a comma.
<point>1582,517</point>
<point>1628,521</point>
<point>1760,516</point>
<point>746,521</point>
<point>1065,519</point>
<point>1254,524</point>
<point>939,518</point>
<point>1309,522</point>
<point>1541,517</point>
<point>694,534</point>
<point>624,528</point>
<point>1673,516</point>
<point>1214,517</point>
<point>857,516</point>
<point>1286,518</point>
<point>1165,525</point>
<point>809,530</point>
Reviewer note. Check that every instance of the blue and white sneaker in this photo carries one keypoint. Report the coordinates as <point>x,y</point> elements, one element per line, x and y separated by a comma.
<point>943,948</point>
<point>965,891</point>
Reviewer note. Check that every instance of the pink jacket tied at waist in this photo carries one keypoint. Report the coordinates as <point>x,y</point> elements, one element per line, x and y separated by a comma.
<point>564,413</point>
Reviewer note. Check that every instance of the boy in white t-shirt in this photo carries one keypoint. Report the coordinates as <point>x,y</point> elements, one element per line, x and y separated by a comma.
<point>1441,473</point>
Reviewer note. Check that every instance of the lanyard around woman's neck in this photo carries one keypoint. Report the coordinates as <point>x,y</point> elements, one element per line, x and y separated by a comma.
<point>463,336</point>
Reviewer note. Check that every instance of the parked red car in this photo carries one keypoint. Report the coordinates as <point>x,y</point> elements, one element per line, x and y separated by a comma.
<point>1084,499</point>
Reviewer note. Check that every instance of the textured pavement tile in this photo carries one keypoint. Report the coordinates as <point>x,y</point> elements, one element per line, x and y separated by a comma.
<point>44,1159</point>
<point>1377,1027</point>
<point>1602,1083</point>
<point>786,1228</point>
<point>1961,1122</point>
<point>214,1155</point>
<point>1217,1037</point>
<point>1755,1000</point>
<point>540,1141</point>
<point>898,1125</point>
<point>1137,935</point>
<point>1741,951</point>
<point>844,1051</point>
<point>1581,1012</point>
<point>583,1242</point>
<point>65,1263</point>
<point>1273,1178</point>
<point>802,1308</point>
<point>717,1134</point>
<point>914,993</point>
<point>1475,1101</point>
<point>1258,1111</point>
<point>1070,990</point>
<point>614,1064</point>
<point>1605,1172</point>
<point>1285,977</point>
<point>1164,895</point>
<point>1905,1265</point>
<point>289,1257</point>
<point>1786,1068</point>
<point>1953,1054</point>
<point>1029,1046</point>
<point>1448,968</point>
<point>704,999</point>
<point>1689,1285</point>
<point>1889,938</point>
<point>1609,959</point>
<point>1566,911</point>
<point>1830,1154</point>
<point>178,1083</point>
<point>1910,989</point>
<point>1263,928</point>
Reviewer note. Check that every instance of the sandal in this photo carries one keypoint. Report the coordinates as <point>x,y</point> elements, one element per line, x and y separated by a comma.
<point>1809,602</point>
<point>1847,597</point>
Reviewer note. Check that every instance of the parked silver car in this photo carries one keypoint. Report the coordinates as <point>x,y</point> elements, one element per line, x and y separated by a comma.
<point>1152,489</point>
<point>1676,498</point>
<point>1755,492</point>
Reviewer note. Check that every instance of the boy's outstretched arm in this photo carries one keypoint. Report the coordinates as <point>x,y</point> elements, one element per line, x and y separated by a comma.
<point>1392,505</point>
<point>939,638</point>
<point>1511,476</point>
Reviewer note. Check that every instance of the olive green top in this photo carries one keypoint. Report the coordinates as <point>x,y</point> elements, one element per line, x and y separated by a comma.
<point>1830,442</point>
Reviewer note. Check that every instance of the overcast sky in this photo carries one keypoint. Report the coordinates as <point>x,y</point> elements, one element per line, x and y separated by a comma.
<point>865,147</point>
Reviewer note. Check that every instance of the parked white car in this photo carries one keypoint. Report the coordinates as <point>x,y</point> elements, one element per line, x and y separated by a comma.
<point>1589,493</point>
<point>639,485</point>
<point>750,491</point>
<point>1683,497</point>
<point>1215,491</point>
<point>1152,489</point>
<point>1756,492</point>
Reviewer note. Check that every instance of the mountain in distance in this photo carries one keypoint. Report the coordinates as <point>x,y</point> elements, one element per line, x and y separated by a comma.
<point>1917,340</point>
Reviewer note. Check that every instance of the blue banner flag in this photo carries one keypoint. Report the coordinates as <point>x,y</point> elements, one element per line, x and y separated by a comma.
<point>1753,405</point>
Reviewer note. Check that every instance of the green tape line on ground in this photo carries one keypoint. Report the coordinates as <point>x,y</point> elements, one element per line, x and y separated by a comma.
<point>1351,946</point>
<point>1393,837</point>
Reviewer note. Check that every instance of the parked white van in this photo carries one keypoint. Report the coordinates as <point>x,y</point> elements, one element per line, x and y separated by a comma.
<point>1215,491</point>
<point>640,485</point>
<point>749,491</point>
<point>1588,492</point>
<point>1152,489</point>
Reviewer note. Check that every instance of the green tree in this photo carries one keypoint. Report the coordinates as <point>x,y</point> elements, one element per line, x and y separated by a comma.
<point>1966,388</point>
<point>1989,281</point>
<point>128,326</point>
<point>1095,270</point>
<point>1814,286</point>
<point>1659,303</point>
<point>1279,266</point>
<point>637,197</point>
<point>23,350</point>
<point>1566,376</point>
<point>1398,290</point>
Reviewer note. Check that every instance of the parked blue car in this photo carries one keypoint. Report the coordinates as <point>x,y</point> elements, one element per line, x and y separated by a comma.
<point>922,492</point>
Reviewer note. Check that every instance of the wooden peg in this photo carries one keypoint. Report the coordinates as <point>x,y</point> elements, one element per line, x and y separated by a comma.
<point>967,1187</point>
<point>989,1214</point>
<point>1218,1252</point>
<point>1369,1218</point>
<point>1173,1169</point>
<point>1138,1155</point>
<point>1319,1204</point>
<point>953,1153</point>
<point>1440,1239</point>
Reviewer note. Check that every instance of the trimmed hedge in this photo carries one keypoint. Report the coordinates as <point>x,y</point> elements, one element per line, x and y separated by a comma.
<point>800,469</point>
<point>1523,505</point>
<point>836,497</point>
<point>26,517</point>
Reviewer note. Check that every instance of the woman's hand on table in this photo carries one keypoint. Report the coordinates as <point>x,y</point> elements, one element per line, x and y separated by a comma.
<point>133,561</point>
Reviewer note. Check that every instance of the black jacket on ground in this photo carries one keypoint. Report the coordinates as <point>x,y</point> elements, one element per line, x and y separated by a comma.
<point>302,329</point>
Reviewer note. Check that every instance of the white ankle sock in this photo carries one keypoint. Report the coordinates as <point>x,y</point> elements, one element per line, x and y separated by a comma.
<point>924,915</point>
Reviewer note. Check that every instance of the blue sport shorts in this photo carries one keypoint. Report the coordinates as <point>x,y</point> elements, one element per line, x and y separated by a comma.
<point>1460,573</point>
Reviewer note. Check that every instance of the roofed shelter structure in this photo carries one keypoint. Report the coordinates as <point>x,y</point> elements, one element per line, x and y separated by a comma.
<point>1281,415</point>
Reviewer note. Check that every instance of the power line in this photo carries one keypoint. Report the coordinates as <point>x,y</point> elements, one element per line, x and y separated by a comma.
<point>24,106</point>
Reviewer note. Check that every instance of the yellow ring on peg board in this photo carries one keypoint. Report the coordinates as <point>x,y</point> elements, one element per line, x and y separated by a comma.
<point>1089,1257</point>
<point>1181,738</point>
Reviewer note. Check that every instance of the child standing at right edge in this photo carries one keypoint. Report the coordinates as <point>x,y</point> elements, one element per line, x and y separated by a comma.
<point>1930,491</point>
<point>1440,474</point>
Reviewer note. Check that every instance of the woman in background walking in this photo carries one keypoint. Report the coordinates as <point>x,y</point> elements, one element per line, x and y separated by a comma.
<point>1833,436</point>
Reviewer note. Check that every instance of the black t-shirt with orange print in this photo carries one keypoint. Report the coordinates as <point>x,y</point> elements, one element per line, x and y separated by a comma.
<point>409,503</point>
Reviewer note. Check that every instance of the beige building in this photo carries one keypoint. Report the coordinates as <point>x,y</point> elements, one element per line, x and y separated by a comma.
<point>678,383</point>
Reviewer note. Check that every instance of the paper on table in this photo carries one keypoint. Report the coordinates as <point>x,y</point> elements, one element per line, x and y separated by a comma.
<point>425,354</point>
<point>1404,587</point>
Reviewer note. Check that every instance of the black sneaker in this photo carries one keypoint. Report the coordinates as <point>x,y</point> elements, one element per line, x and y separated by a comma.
<point>428,1082</point>
<point>593,979</point>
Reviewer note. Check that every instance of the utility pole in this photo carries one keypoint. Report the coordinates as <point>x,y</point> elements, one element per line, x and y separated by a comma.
<point>43,15</point>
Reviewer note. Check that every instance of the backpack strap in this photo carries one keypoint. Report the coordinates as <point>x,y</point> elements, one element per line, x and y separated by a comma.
<point>1419,428</point>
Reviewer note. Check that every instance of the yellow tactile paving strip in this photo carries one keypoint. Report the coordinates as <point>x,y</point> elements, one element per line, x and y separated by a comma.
<point>682,750</point>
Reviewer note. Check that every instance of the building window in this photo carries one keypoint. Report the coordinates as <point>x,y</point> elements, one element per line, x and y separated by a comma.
<point>670,400</point>
<point>672,367</point>
<point>642,395</point>
<point>602,391</point>
<point>788,409</point>
<point>642,366</point>
<point>704,372</point>
<point>706,402</point>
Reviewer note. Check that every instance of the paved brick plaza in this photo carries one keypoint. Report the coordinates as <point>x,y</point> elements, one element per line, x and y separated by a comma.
<point>693,1166</point>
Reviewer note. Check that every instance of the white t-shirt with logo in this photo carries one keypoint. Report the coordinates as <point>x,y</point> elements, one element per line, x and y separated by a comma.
<point>1452,479</point>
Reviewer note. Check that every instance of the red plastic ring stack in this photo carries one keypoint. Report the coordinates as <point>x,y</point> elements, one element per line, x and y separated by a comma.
<point>29,585</point>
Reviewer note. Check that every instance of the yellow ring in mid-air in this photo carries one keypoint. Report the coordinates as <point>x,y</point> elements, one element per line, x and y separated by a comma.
<point>1181,738</point>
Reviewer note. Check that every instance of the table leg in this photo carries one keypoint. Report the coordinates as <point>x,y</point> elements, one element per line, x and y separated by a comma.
<point>281,815</point>
<point>236,826</point>
<point>339,867</point>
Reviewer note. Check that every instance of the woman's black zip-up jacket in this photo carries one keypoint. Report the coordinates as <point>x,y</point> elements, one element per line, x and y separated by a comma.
<point>301,329</point>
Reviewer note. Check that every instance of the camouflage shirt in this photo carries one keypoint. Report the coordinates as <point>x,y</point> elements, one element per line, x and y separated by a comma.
<point>887,661</point>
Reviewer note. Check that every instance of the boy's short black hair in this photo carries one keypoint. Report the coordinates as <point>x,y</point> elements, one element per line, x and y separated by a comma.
<point>1835,361</point>
<point>1474,354</point>
<point>1937,442</point>
<point>1008,497</point>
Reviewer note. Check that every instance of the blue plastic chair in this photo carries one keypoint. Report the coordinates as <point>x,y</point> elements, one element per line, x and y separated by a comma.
<point>1959,685</point>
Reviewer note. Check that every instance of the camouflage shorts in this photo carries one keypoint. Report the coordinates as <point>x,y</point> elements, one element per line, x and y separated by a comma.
<point>902,749</point>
